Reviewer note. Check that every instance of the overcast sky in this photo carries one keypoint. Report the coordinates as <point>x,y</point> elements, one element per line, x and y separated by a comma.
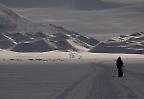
<point>127,1</point>
<point>44,3</point>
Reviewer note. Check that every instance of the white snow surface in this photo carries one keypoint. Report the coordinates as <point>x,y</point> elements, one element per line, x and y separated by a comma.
<point>69,75</point>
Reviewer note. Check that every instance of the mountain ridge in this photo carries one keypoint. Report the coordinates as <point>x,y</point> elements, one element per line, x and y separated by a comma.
<point>130,44</point>
<point>11,21</point>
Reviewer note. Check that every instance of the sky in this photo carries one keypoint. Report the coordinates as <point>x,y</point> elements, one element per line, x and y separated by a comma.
<point>33,3</point>
<point>127,1</point>
<point>124,20</point>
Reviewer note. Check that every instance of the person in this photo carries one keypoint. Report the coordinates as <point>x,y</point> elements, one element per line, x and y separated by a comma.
<point>119,64</point>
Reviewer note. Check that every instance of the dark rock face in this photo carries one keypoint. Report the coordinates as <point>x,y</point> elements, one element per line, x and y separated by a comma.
<point>63,45</point>
<point>5,42</point>
<point>19,37</point>
<point>37,46</point>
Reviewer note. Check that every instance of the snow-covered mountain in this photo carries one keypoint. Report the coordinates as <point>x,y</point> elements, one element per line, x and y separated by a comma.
<point>6,42</point>
<point>33,46</point>
<point>41,42</point>
<point>21,35</point>
<point>64,40</point>
<point>10,21</point>
<point>133,43</point>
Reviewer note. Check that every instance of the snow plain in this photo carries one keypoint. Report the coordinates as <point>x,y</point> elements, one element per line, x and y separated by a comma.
<point>69,75</point>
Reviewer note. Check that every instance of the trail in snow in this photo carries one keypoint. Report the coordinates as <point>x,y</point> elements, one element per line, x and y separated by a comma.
<point>102,85</point>
<point>69,89</point>
<point>90,80</point>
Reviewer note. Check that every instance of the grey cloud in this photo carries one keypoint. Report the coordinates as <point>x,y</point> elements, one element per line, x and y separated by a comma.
<point>126,1</point>
<point>78,4</point>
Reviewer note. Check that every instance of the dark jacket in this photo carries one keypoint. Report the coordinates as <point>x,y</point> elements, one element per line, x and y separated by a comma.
<point>119,63</point>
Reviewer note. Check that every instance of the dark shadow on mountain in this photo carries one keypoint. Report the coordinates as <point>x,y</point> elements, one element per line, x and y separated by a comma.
<point>35,46</point>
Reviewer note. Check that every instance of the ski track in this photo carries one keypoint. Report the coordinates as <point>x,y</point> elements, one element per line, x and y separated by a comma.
<point>100,83</point>
<point>69,89</point>
<point>138,76</point>
<point>135,77</point>
<point>103,85</point>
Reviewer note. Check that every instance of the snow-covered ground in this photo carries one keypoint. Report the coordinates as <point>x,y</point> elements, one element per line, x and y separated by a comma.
<point>69,75</point>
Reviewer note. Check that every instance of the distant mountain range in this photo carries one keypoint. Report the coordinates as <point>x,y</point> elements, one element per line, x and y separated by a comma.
<point>71,41</point>
<point>41,42</point>
<point>21,35</point>
<point>132,44</point>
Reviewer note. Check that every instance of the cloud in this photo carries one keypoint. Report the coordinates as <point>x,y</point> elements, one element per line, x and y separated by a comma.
<point>126,1</point>
<point>78,4</point>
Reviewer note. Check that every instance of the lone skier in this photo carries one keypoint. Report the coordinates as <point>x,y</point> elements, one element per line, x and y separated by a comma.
<point>119,64</point>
